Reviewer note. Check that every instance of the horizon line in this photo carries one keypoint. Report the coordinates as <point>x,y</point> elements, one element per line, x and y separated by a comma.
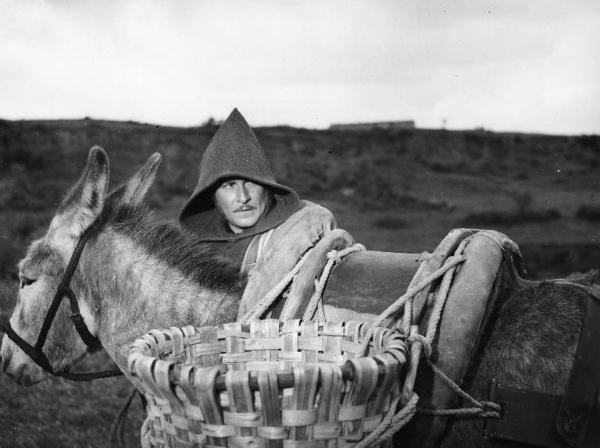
<point>328,128</point>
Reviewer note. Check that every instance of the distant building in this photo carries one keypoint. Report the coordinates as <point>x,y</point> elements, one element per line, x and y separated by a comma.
<point>387,125</point>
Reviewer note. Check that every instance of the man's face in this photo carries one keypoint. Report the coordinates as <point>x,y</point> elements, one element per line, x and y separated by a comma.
<point>242,202</point>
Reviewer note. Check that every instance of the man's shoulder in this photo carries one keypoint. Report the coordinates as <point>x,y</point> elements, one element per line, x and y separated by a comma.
<point>310,214</point>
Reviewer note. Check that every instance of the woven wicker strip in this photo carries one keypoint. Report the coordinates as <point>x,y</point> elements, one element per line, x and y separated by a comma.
<point>267,384</point>
<point>272,430</point>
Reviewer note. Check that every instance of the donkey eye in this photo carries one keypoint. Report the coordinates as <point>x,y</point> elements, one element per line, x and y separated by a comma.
<point>26,281</point>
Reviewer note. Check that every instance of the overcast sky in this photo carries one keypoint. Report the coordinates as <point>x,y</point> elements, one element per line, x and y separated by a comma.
<point>504,65</point>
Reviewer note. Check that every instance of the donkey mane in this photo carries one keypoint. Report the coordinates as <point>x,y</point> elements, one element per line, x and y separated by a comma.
<point>177,247</point>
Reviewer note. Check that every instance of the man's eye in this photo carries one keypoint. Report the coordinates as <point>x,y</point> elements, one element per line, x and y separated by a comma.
<point>26,281</point>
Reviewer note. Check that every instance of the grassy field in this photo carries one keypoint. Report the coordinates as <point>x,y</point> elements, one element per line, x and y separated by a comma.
<point>394,191</point>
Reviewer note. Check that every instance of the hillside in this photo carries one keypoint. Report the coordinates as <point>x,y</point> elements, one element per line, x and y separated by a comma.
<point>399,191</point>
<point>394,191</point>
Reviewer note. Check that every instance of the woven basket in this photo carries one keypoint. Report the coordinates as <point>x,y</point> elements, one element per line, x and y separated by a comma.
<point>268,384</point>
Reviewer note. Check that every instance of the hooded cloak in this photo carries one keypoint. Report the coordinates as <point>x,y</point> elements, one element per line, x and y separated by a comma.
<point>235,153</point>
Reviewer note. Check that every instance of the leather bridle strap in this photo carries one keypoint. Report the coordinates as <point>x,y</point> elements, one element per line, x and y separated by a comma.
<point>35,352</point>
<point>65,290</point>
<point>36,355</point>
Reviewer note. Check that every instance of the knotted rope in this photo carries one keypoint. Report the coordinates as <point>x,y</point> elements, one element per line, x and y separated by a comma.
<point>481,408</point>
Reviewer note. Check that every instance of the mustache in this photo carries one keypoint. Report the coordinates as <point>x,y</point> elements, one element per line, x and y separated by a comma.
<point>245,207</point>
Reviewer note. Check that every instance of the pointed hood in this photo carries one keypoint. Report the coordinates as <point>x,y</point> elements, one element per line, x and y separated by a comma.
<point>234,152</point>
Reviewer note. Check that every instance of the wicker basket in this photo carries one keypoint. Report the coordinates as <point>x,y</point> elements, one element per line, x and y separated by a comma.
<point>269,383</point>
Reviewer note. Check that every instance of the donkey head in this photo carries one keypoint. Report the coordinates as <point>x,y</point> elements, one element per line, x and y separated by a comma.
<point>44,265</point>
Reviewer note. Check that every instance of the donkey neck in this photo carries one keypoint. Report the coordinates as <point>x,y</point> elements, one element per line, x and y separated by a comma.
<point>128,291</point>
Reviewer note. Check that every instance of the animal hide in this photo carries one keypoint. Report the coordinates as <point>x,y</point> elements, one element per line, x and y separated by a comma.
<point>286,246</point>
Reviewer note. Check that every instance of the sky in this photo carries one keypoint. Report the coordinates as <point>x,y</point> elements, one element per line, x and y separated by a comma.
<point>504,65</point>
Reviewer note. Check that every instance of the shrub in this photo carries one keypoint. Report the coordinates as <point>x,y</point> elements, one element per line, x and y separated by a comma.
<point>16,155</point>
<point>588,212</point>
<point>589,141</point>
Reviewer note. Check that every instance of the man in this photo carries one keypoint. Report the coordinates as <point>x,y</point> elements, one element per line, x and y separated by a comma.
<point>240,210</point>
<point>237,199</point>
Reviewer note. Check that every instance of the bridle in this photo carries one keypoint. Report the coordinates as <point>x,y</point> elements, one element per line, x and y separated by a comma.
<point>35,352</point>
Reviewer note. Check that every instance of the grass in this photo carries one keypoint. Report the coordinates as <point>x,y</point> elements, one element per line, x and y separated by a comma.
<point>59,413</point>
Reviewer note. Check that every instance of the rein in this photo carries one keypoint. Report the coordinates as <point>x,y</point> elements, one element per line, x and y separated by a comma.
<point>35,352</point>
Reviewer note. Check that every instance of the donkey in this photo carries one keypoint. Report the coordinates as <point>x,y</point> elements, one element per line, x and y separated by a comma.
<point>133,275</point>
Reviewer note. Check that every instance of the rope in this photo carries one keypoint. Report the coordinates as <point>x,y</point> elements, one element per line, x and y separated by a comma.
<point>480,409</point>
<point>460,412</point>
<point>460,392</point>
<point>401,301</point>
<point>391,423</point>
<point>401,418</point>
<point>117,431</point>
<point>405,299</point>
<point>394,421</point>
<point>479,406</point>
<point>332,258</point>
<point>442,296</point>
<point>424,342</point>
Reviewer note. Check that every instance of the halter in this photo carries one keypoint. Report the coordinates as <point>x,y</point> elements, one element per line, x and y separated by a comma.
<point>35,352</point>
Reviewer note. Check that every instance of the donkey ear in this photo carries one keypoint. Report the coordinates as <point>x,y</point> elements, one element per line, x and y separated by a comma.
<point>85,200</point>
<point>134,191</point>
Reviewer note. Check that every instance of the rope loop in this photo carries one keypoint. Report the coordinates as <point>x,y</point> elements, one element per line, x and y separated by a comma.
<point>337,255</point>
<point>391,423</point>
<point>491,406</point>
<point>460,412</point>
<point>424,342</point>
<point>424,256</point>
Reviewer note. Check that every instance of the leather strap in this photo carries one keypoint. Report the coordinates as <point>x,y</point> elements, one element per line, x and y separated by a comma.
<point>574,418</point>
<point>527,418</point>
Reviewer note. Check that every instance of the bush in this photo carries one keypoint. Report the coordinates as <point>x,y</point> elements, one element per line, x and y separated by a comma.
<point>589,141</point>
<point>588,212</point>
<point>15,155</point>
